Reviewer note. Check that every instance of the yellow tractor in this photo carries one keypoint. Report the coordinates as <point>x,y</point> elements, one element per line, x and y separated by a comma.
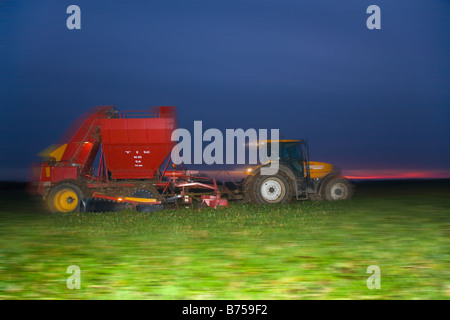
<point>296,177</point>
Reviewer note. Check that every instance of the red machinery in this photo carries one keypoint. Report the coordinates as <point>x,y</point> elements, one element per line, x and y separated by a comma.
<point>130,148</point>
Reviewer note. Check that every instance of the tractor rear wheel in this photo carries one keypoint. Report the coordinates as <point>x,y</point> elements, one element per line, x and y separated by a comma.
<point>65,197</point>
<point>338,189</point>
<point>272,189</point>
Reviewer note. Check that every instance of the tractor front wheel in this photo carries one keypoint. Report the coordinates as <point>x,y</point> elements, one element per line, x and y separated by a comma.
<point>65,197</point>
<point>338,189</point>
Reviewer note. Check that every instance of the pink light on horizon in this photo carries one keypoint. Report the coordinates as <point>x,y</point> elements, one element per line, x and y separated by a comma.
<point>357,174</point>
<point>366,174</point>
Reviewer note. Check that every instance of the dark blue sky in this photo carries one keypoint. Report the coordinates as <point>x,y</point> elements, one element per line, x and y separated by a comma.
<point>367,100</point>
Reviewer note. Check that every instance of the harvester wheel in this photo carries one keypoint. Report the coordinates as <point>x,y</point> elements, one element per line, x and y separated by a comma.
<point>145,191</point>
<point>272,189</point>
<point>65,197</point>
<point>338,189</point>
<point>142,193</point>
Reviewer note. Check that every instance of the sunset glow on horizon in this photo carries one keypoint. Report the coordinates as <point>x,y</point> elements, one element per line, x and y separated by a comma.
<point>357,174</point>
<point>368,174</point>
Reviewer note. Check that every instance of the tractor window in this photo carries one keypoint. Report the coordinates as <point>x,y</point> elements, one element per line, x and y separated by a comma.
<point>290,153</point>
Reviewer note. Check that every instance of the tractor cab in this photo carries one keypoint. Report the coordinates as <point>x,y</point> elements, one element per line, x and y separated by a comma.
<point>294,154</point>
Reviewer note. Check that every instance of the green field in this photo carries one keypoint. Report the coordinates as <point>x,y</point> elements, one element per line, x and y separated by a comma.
<point>304,250</point>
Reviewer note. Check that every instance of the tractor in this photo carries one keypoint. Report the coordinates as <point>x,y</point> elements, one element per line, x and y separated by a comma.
<point>297,177</point>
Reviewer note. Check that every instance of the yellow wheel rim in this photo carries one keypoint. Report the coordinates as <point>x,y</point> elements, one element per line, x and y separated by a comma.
<point>65,200</point>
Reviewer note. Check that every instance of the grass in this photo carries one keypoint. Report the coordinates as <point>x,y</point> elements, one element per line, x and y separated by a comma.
<point>304,250</point>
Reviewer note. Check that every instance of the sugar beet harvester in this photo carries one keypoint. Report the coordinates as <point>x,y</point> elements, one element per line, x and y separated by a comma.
<point>130,148</point>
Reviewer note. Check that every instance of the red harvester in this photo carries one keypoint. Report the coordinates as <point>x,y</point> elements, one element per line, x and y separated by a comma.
<point>130,149</point>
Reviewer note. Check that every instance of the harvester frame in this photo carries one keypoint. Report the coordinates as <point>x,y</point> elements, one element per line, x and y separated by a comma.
<point>127,173</point>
